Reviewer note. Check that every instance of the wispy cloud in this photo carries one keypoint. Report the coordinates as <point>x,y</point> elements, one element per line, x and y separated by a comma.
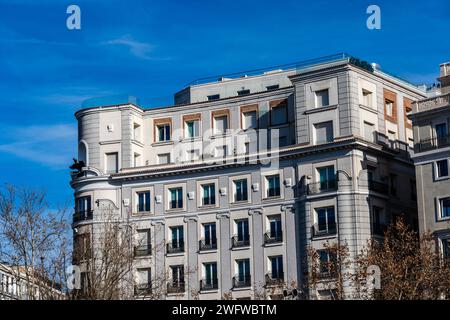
<point>49,145</point>
<point>139,49</point>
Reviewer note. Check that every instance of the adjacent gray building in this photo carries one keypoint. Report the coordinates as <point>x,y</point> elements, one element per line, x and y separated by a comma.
<point>431,120</point>
<point>228,216</point>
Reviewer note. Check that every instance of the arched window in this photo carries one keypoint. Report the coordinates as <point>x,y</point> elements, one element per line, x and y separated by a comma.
<point>83,152</point>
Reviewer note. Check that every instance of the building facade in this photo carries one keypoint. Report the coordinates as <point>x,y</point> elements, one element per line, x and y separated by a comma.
<point>431,120</point>
<point>225,190</point>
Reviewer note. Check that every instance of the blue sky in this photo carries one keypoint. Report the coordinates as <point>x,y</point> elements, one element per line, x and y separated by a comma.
<point>151,49</point>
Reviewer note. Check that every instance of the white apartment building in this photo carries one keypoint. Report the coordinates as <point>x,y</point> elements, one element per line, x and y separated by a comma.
<point>340,170</point>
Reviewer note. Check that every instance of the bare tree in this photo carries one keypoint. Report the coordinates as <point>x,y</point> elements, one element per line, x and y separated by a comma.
<point>33,241</point>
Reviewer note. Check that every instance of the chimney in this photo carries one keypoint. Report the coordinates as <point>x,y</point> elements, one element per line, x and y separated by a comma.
<point>444,78</point>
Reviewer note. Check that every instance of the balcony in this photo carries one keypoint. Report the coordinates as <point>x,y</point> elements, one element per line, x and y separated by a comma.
<point>274,279</point>
<point>432,143</point>
<point>143,250</point>
<point>431,103</point>
<point>273,238</point>
<point>243,282</point>
<point>378,187</point>
<point>204,245</point>
<point>209,284</point>
<point>82,216</point>
<point>175,287</point>
<point>320,187</point>
<point>318,232</point>
<point>143,289</point>
<point>238,243</point>
<point>177,247</point>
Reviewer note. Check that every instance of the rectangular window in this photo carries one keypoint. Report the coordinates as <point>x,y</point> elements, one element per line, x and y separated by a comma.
<point>243,92</point>
<point>143,203</point>
<point>324,132</point>
<point>163,131</point>
<point>208,194</point>
<point>176,198</point>
<point>327,261</point>
<point>112,162</point>
<point>278,115</point>
<point>276,264</point>
<point>445,207</point>
<point>242,230</point>
<point>442,138</point>
<point>164,158</point>
<point>249,120</point>
<point>240,190</point>
<point>322,98</point>
<point>136,132</point>
<point>442,168</point>
<point>367,98</point>
<point>210,272</point>
<point>327,178</point>
<point>369,131</point>
<point>214,97</point>
<point>275,230</point>
<point>209,233</point>
<point>83,205</point>
<point>273,186</point>
<point>192,129</point>
<point>393,184</point>
<point>177,275</point>
<point>243,267</point>
<point>446,248</point>
<point>220,124</point>
<point>389,108</point>
<point>378,223</point>
<point>326,220</point>
<point>137,159</point>
<point>177,234</point>
<point>273,87</point>
<point>143,281</point>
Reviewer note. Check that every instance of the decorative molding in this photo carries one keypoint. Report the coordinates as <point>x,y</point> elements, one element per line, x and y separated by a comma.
<point>255,211</point>
<point>156,222</point>
<point>222,215</point>
<point>349,177</point>
<point>190,218</point>
<point>106,202</point>
<point>288,207</point>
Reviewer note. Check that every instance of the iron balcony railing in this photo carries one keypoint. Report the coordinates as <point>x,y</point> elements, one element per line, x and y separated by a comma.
<point>432,143</point>
<point>143,289</point>
<point>317,232</point>
<point>82,215</point>
<point>379,187</point>
<point>207,245</point>
<point>243,242</point>
<point>176,247</point>
<point>242,282</point>
<point>209,284</point>
<point>143,250</point>
<point>176,287</point>
<point>273,238</point>
<point>274,278</point>
<point>323,186</point>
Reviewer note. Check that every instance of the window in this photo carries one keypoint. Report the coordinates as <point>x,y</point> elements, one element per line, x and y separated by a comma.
<point>327,262</point>
<point>192,129</point>
<point>243,271</point>
<point>243,91</point>
<point>273,186</point>
<point>214,97</point>
<point>441,134</point>
<point>322,98</point>
<point>323,132</point>
<point>220,124</point>
<point>83,205</point>
<point>276,264</point>
<point>378,223</point>
<point>446,248</point>
<point>273,87</point>
<point>367,98</point>
<point>442,168</point>
<point>177,236</point>
<point>242,232</point>
<point>326,220</point>
<point>136,132</point>
<point>163,131</point>
<point>278,115</point>
<point>143,281</point>
<point>177,275</point>
<point>210,273</point>
<point>240,190</point>
<point>209,234</point>
<point>137,159</point>
<point>164,158</point>
<point>143,201</point>
<point>389,108</point>
<point>143,247</point>
<point>112,162</point>
<point>249,120</point>
<point>208,194</point>
<point>176,198</point>
<point>327,178</point>
<point>393,184</point>
<point>369,131</point>
<point>445,207</point>
<point>275,233</point>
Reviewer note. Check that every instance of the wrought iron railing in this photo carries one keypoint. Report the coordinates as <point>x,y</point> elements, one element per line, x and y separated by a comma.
<point>242,282</point>
<point>83,215</point>
<point>207,245</point>
<point>142,289</point>
<point>175,287</point>
<point>143,250</point>
<point>274,278</point>
<point>323,186</point>
<point>273,238</point>
<point>209,284</point>
<point>317,232</point>
<point>242,242</point>
<point>432,143</point>
<point>176,247</point>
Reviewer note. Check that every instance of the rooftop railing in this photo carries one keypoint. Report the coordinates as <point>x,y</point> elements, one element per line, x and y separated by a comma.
<point>431,103</point>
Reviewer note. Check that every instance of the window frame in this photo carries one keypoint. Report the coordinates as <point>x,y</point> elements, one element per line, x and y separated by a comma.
<point>439,201</point>
<point>218,114</point>
<point>436,169</point>
<point>282,103</point>
<point>192,118</point>
<point>316,98</point>
<point>162,122</point>
<point>168,194</point>
<point>248,109</point>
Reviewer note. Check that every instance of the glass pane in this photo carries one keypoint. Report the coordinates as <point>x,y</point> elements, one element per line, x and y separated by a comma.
<point>322,219</point>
